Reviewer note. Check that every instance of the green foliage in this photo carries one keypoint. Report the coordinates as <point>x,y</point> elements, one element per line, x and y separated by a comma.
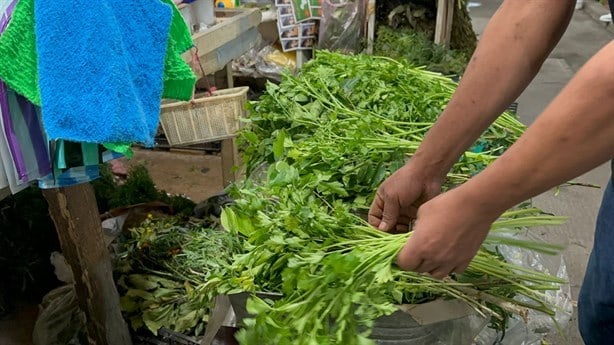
<point>162,270</point>
<point>316,148</point>
<point>417,49</point>
<point>352,120</point>
<point>138,188</point>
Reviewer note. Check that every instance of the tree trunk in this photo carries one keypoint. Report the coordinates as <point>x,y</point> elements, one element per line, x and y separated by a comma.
<point>75,214</point>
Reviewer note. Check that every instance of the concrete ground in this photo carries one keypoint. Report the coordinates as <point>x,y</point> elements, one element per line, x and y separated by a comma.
<point>584,37</point>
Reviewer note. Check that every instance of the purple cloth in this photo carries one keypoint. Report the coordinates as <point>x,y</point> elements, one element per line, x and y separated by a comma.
<point>31,116</point>
<point>11,137</point>
<point>6,16</point>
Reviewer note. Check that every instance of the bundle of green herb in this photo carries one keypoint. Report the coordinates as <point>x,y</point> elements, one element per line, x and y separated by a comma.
<point>337,275</point>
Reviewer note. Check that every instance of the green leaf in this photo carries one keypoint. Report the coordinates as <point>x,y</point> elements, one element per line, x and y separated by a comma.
<point>278,144</point>
<point>187,321</point>
<point>140,293</point>
<point>128,304</point>
<point>256,305</point>
<point>142,282</point>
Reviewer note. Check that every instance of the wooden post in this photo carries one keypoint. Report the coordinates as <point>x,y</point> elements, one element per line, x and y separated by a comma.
<point>230,152</point>
<point>230,161</point>
<point>370,25</point>
<point>75,214</point>
<point>443,25</point>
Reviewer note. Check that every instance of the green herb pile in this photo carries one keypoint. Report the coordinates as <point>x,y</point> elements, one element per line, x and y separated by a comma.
<point>330,265</point>
<point>417,49</point>
<point>316,147</point>
<point>349,121</point>
<point>162,271</point>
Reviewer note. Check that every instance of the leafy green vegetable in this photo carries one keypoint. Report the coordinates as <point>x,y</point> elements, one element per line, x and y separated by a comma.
<point>316,148</point>
<point>337,275</point>
<point>138,188</point>
<point>349,121</point>
<point>162,271</point>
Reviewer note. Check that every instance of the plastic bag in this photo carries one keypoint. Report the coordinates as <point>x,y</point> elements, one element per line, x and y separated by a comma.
<point>538,325</point>
<point>342,25</point>
<point>60,320</point>
<point>264,61</point>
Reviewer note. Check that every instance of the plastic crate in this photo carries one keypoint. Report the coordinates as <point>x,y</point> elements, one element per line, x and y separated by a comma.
<point>206,119</point>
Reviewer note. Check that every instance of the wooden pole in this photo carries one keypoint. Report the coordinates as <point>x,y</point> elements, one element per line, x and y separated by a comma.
<point>443,25</point>
<point>75,214</point>
<point>371,5</point>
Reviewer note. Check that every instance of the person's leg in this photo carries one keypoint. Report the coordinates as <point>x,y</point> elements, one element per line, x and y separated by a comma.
<point>596,301</point>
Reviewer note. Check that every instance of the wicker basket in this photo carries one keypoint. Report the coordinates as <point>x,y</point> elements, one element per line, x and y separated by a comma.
<point>208,118</point>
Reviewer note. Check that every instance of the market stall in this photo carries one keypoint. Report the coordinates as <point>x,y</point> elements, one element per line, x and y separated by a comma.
<point>285,255</point>
<point>64,174</point>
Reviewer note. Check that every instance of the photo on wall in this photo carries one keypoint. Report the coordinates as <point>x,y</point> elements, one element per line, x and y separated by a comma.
<point>302,10</point>
<point>290,44</point>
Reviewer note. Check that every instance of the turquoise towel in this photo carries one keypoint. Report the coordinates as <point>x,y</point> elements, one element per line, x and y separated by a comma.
<point>100,66</point>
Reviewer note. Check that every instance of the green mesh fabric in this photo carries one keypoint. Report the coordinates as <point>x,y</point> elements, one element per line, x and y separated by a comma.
<point>179,79</point>
<point>18,65</point>
<point>18,51</point>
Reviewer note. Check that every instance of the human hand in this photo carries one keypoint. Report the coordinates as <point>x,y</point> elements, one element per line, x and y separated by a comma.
<point>399,196</point>
<point>448,233</point>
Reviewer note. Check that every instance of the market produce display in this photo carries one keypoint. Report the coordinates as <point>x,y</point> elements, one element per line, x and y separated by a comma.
<point>328,137</point>
<point>316,147</point>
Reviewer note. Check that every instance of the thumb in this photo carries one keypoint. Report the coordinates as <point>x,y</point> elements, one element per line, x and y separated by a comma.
<point>390,216</point>
<point>407,259</point>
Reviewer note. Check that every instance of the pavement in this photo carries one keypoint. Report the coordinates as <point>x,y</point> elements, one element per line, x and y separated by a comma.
<point>584,37</point>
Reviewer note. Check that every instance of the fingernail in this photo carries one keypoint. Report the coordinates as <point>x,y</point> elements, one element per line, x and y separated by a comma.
<point>382,226</point>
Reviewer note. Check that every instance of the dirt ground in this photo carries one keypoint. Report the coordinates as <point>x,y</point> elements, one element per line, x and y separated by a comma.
<point>196,175</point>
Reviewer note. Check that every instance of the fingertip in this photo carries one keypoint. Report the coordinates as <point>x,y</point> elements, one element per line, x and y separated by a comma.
<point>383,226</point>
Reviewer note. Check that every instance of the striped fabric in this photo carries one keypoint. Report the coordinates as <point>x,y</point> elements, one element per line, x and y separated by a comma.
<point>24,135</point>
<point>71,176</point>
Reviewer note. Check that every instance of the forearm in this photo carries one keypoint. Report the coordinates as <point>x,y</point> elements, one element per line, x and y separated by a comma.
<point>513,47</point>
<point>573,135</point>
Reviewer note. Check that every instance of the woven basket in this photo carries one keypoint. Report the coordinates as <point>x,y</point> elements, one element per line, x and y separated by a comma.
<point>207,118</point>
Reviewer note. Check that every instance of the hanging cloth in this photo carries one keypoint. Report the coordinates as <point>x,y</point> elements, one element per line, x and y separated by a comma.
<point>118,44</point>
<point>7,162</point>
<point>6,10</point>
<point>24,135</point>
<point>76,163</point>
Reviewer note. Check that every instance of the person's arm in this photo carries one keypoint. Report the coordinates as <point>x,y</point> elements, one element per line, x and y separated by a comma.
<point>573,135</point>
<point>511,51</point>
<point>517,40</point>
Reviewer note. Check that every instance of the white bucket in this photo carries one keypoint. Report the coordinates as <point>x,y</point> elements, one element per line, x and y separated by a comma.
<point>204,13</point>
<point>186,13</point>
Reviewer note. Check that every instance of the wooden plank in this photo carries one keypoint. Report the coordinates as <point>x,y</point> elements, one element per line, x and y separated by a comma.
<point>75,214</point>
<point>214,61</point>
<point>227,29</point>
<point>443,25</point>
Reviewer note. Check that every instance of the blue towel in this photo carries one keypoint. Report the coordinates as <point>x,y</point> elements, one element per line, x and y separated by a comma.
<point>101,68</point>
